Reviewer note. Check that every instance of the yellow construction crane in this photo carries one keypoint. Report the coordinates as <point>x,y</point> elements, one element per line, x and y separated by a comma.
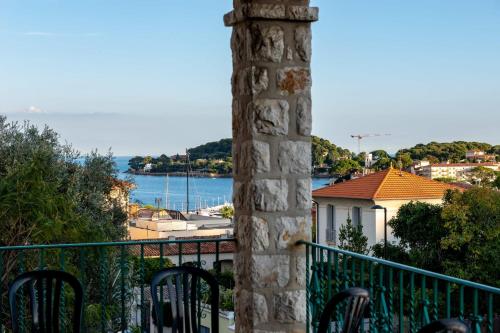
<point>362,136</point>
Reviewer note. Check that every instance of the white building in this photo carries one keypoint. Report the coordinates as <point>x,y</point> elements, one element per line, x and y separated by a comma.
<point>389,188</point>
<point>150,224</point>
<point>479,155</point>
<point>456,171</point>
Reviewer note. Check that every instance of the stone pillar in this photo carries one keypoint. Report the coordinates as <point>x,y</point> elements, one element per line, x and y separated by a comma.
<point>271,83</point>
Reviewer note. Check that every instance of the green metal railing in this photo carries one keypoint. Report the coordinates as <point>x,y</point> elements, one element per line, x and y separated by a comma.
<point>115,276</point>
<point>402,298</point>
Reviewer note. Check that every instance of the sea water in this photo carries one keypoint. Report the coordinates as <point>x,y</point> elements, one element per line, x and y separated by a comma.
<point>171,191</point>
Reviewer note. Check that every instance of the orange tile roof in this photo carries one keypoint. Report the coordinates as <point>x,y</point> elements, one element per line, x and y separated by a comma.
<point>386,184</point>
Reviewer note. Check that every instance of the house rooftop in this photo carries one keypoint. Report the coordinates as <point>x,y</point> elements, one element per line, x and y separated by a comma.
<point>445,165</point>
<point>389,184</point>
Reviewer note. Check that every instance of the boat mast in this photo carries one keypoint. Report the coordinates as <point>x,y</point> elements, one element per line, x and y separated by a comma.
<point>187,181</point>
<point>166,192</point>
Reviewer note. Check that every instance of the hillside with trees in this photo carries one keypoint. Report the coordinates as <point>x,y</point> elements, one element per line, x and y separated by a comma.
<point>328,159</point>
<point>212,150</point>
<point>447,151</point>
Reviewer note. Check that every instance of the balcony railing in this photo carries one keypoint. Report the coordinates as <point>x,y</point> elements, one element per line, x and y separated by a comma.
<point>116,279</point>
<point>402,298</point>
<point>115,276</point>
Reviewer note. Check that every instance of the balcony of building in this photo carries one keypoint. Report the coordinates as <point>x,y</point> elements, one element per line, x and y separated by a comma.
<point>117,296</point>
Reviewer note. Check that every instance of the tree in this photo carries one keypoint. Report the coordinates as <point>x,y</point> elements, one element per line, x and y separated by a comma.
<point>227,212</point>
<point>351,238</point>
<point>496,182</point>
<point>378,154</point>
<point>404,160</point>
<point>472,222</point>
<point>419,228</point>
<point>444,151</point>
<point>384,163</point>
<point>458,238</point>
<point>136,162</point>
<point>481,175</point>
<point>345,167</point>
<point>48,195</point>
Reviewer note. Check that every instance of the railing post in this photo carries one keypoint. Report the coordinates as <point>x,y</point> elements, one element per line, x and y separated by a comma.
<point>271,45</point>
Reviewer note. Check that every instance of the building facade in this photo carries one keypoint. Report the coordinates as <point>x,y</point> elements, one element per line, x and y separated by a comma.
<point>456,171</point>
<point>356,198</point>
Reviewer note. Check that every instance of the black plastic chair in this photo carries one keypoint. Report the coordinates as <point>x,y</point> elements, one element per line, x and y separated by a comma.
<point>44,288</point>
<point>445,325</point>
<point>183,289</point>
<point>356,300</point>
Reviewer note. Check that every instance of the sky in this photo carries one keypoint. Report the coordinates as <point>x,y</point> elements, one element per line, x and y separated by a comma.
<point>153,76</point>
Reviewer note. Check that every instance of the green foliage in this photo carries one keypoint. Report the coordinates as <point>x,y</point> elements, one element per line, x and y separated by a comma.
<point>404,160</point>
<point>378,154</point>
<point>47,196</point>
<point>395,252</point>
<point>151,266</point>
<point>212,150</point>
<point>345,167</point>
<point>384,163</point>
<point>482,176</point>
<point>420,228</point>
<point>226,299</point>
<point>227,212</point>
<point>325,152</point>
<point>472,221</point>
<point>496,182</point>
<point>452,151</point>
<point>351,238</point>
<point>459,238</point>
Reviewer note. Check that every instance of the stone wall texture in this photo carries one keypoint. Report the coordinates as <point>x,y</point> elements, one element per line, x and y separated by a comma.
<point>271,85</point>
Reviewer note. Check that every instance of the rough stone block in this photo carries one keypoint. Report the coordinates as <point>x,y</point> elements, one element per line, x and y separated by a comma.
<point>303,43</point>
<point>295,157</point>
<point>241,267</point>
<point>290,306</point>
<point>260,312</point>
<point>304,119</point>
<point>270,116</point>
<point>243,307</point>
<point>260,234</point>
<point>304,194</point>
<point>269,271</point>
<point>270,195</point>
<point>300,271</point>
<point>254,157</point>
<point>293,80</point>
<point>289,54</point>
<point>302,13</point>
<point>289,230</point>
<point>238,44</point>
<point>259,80</point>
<point>241,196</point>
<point>265,11</point>
<point>267,42</point>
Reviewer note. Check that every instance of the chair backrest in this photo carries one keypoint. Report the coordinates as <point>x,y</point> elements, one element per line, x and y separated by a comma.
<point>44,289</point>
<point>445,325</point>
<point>355,300</point>
<point>183,289</point>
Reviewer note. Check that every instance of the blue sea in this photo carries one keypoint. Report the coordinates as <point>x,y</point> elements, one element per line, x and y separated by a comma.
<point>203,192</point>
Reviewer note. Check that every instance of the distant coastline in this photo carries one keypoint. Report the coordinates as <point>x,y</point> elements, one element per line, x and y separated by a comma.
<point>196,174</point>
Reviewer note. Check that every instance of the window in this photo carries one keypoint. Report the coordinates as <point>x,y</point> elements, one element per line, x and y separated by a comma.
<point>204,329</point>
<point>356,216</point>
<point>330,223</point>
